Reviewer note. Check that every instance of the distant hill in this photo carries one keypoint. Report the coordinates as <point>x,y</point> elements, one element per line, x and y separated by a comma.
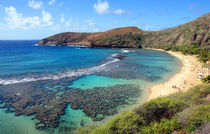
<point>194,32</point>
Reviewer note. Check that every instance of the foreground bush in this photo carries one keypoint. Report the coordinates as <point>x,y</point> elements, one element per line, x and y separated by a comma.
<point>178,113</point>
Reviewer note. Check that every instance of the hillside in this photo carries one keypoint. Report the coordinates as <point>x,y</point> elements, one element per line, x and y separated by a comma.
<point>194,32</point>
<point>179,113</point>
<point>95,39</point>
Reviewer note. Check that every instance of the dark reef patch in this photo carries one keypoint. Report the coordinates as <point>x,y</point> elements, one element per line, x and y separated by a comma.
<point>134,72</point>
<point>101,101</point>
<point>33,98</point>
<point>48,99</point>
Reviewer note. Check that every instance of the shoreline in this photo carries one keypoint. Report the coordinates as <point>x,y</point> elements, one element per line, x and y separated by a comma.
<point>182,81</point>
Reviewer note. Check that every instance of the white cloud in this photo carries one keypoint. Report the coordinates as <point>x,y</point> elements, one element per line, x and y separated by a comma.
<point>118,11</point>
<point>51,2</point>
<point>56,28</point>
<point>150,28</point>
<point>46,18</point>
<point>62,18</point>
<point>90,22</point>
<point>16,20</point>
<point>101,7</point>
<point>68,23</point>
<point>71,25</point>
<point>3,26</point>
<point>35,4</point>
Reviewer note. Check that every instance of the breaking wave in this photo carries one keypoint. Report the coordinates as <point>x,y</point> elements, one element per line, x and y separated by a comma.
<point>125,51</point>
<point>68,73</point>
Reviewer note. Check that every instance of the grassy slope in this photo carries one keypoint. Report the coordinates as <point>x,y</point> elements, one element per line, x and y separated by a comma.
<point>196,31</point>
<point>181,112</point>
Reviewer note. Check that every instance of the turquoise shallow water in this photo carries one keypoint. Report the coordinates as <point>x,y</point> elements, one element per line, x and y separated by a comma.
<point>92,81</point>
<point>90,84</point>
<point>11,124</point>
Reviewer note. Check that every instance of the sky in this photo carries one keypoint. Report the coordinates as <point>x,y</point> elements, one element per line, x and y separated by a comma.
<point>37,19</point>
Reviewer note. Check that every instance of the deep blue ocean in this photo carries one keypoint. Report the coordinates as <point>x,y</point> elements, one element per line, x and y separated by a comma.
<point>124,74</point>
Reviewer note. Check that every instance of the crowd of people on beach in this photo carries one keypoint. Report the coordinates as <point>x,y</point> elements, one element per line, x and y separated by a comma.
<point>201,72</point>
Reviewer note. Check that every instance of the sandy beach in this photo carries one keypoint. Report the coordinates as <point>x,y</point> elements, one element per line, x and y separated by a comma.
<point>183,80</point>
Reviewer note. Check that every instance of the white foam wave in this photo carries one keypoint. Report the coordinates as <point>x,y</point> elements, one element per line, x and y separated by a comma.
<point>125,51</point>
<point>52,45</point>
<point>114,55</point>
<point>65,74</point>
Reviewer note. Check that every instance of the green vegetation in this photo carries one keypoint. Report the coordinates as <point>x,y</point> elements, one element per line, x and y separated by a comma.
<point>179,113</point>
<point>206,79</point>
<point>122,39</point>
<point>193,49</point>
<point>196,117</point>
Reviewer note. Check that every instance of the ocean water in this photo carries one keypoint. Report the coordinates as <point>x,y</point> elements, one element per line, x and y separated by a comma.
<point>77,86</point>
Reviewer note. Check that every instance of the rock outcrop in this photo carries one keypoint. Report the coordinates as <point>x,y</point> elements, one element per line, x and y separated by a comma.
<point>196,31</point>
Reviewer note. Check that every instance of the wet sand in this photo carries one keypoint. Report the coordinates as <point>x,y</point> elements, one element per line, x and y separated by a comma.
<point>183,80</point>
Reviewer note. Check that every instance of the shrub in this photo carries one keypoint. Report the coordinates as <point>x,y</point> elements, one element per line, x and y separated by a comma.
<point>193,49</point>
<point>206,79</point>
<point>171,114</point>
<point>165,126</point>
<point>167,48</point>
<point>193,96</point>
<point>204,55</point>
<point>159,108</point>
<point>198,116</point>
<point>124,123</point>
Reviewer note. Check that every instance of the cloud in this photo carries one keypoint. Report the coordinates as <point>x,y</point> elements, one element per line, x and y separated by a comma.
<point>65,26</point>
<point>118,11</point>
<point>46,19</point>
<point>90,22</point>
<point>62,18</point>
<point>51,2</point>
<point>56,28</point>
<point>101,7</point>
<point>76,26</point>
<point>35,4</point>
<point>68,23</point>
<point>3,26</point>
<point>16,20</point>
<point>151,28</point>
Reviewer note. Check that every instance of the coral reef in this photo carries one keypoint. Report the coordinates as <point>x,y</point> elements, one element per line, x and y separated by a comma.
<point>47,100</point>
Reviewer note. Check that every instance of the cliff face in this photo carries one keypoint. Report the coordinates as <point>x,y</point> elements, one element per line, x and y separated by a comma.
<point>196,31</point>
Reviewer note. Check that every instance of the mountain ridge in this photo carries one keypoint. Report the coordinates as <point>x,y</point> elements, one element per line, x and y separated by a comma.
<point>194,32</point>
